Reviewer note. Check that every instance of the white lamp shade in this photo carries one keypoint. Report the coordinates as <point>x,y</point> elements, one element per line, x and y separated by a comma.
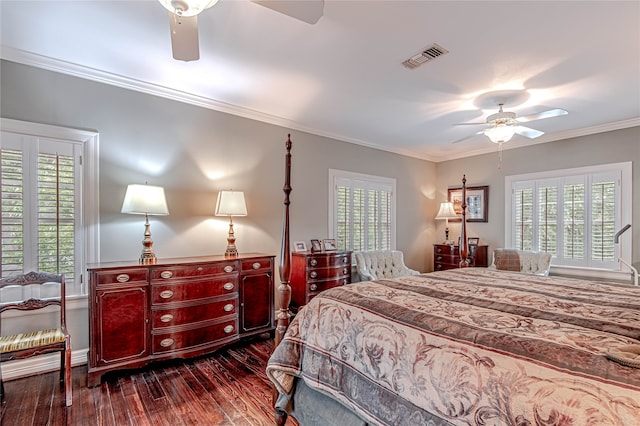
<point>501,133</point>
<point>231,203</point>
<point>446,211</point>
<point>145,199</point>
<point>187,7</point>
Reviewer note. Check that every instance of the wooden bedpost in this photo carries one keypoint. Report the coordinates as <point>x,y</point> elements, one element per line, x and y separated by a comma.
<point>464,245</point>
<point>284,289</point>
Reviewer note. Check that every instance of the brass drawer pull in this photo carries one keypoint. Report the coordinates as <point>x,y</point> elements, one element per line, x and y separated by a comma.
<point>228,286</point>
<point>345,282</point>
<point>439,258</point>
<point>439,250</point>
<point>228,307</point>
<point>166,294</point>
<point>345,271</point>
<point>344,259</point>
<point>313,287</point>
<point>165,343</point>
<point>228,329</point>
<point>200,269</point>
<point>313,262</point>
<point>313,274</point>
<point>256,265</point>
<point>166,318</point>
<point>228,268</point>
<point>122,278</point>
<point>166,274</point>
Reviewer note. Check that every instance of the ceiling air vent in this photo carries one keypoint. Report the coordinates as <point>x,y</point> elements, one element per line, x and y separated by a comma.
<point>426,55</point>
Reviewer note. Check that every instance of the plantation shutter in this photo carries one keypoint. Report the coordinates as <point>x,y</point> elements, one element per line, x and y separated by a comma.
<point>363,212</point>
<point>40,187</point>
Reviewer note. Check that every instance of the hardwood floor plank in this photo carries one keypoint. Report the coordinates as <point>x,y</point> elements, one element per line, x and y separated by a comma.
<point>226,388</point>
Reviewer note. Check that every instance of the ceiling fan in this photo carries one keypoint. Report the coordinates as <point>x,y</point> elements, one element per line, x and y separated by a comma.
<point>504,124</point>
<point>183,20</point>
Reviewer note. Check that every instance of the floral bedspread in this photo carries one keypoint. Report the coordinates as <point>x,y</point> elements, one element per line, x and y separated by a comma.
<point>468,347</point>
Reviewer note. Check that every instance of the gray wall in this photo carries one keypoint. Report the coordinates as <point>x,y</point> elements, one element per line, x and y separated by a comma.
<point>603,148</point>
<point>194,153</point>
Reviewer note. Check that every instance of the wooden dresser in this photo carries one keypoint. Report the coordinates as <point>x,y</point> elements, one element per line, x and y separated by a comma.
<point>176,308</point>
<point>313,272</point>
<point>448,257</point>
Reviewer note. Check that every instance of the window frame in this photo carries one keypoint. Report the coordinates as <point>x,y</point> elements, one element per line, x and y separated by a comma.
<point>369,180</point>
<point>623,215</point>
<point>88,230</point>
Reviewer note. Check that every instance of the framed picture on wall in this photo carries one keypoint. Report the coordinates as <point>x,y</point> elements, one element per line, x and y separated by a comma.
<point>477,203</point>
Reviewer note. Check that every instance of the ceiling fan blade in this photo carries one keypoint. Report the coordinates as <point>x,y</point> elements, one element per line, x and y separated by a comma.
<point>528,132</point>
<point>544,114</point>
<point>309,11</point>
<point>184,37</point>
<point>469,137</point>
<point>470,124</point>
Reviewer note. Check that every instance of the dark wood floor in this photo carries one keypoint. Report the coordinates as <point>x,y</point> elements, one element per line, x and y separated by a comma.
<point>229,387</point>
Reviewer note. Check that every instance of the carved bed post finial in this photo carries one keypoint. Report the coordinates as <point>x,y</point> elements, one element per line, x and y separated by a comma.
<point>464,248</point>
<point>284,290</point>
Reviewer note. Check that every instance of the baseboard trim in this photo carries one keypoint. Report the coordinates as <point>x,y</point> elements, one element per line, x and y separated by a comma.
<point>40,364</point>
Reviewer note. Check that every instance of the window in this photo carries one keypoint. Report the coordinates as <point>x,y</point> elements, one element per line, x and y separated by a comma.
<point>361,211</point>
<point>47,221</point>
<point>573,214</point>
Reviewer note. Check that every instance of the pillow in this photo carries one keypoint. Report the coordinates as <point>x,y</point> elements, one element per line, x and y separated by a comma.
<point>506,259</point>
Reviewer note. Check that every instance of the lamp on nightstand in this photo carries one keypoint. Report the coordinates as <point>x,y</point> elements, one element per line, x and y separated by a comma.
<point>447,212</point>
<point>231,203</point>
<point>146,200</point>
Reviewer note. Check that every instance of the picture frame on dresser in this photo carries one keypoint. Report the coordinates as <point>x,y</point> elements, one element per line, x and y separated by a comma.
<point>300,246</point>
<point>473,241</point>
<point>329,245</point>
<point>316,246</point>
<point>477,203</point>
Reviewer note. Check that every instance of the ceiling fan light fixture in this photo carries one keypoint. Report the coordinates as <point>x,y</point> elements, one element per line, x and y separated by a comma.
<point>500,133</point>
<point>187,7</point>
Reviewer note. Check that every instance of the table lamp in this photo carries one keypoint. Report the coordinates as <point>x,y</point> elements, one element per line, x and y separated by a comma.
<point>447,212</point>
<point>231,203</point>
<point>146,200</point>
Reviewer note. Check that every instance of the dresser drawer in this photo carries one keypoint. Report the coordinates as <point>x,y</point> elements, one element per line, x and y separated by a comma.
<point>256,264</point>
<point>171,341</point>
<point>319,274</point>
<point>162,318</point>
<point>203,270</point>
<point>122,276</point>
<point>318,286</point>
<point>328,261</point>
<point>446,250</point>
<point>447,259</point>
<point>177,291</point>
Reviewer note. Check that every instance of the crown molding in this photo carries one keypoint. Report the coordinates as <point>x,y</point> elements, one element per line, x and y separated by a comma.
<point>88,73</point>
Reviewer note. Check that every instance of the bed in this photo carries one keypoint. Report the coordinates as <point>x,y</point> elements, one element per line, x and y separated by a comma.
<point>469,346</point>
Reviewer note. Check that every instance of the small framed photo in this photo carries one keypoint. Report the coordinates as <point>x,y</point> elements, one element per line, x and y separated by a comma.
<point>300,246</point>
<point>473,241</point>
<point>329,245</point>
<point>316,246</point>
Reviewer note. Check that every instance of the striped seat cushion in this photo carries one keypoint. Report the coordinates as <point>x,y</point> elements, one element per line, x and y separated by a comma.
<point>30,340</point>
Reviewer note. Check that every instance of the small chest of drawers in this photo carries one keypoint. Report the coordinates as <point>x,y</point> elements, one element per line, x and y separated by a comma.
<point>448,256</point>
<point>312,273</point>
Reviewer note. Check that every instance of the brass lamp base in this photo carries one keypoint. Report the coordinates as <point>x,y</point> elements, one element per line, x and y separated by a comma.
<point>148,257</point>
<point>231,251</point>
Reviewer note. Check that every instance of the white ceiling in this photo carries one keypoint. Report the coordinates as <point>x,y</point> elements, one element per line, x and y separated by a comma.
<point>343,78</point>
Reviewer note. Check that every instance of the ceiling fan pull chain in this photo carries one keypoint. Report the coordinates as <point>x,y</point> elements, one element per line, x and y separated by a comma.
<point>500,156</point>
